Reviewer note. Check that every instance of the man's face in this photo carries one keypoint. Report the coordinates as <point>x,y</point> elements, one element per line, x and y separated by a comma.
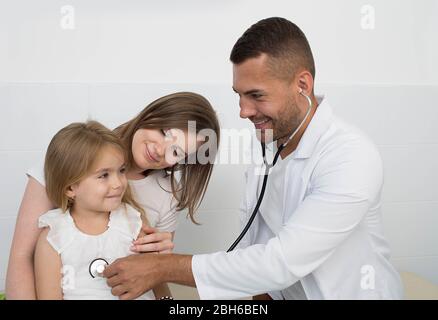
<point>266,100</point>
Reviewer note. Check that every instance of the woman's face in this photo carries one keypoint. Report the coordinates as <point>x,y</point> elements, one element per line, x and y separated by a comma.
<point>161,148</point>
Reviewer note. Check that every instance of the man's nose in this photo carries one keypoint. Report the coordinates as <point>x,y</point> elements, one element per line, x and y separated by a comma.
<point>247,109</point>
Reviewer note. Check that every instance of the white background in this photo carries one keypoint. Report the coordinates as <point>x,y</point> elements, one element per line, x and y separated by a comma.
<point>124,54</point>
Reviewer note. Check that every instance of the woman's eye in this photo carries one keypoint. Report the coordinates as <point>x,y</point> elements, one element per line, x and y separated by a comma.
<point>165,132</point>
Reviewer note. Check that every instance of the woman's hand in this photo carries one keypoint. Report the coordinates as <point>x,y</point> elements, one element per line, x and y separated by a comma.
<point>153,240</point>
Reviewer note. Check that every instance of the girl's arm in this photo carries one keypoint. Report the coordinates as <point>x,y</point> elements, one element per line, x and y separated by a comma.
<point>20,276</point>
<point>48,267</point>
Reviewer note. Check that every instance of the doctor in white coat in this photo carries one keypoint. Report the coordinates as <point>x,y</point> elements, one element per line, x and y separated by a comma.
<point>318,232</point>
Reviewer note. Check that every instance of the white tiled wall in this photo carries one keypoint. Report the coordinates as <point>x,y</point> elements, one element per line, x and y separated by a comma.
<point>189,42</point>
<point>33,112</point>
<point>399,119</point>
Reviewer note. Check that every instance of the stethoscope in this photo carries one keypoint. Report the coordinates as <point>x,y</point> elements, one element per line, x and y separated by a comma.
<point>96,267</point>
<point>268,167</point>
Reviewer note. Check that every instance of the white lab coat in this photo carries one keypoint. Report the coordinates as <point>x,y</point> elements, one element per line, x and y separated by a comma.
<point>331,235</point>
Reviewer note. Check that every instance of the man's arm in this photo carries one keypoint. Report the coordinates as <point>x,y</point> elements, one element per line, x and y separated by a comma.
<point>130,277</point>
<point>324,220</point>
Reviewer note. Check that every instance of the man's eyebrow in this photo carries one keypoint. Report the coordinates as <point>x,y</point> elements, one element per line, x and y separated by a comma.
<point>252,91</point>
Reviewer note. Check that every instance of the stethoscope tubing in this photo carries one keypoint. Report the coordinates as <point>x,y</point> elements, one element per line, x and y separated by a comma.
<point>265,178</point>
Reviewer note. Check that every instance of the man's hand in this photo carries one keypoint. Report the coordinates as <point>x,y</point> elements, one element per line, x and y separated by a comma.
<point>132,276</point>
<point>153,240</point>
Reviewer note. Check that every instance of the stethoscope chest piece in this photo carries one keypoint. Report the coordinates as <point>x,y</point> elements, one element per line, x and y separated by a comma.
<point>96,267</point>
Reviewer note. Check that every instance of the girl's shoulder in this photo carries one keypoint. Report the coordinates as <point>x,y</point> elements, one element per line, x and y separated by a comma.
<point>126,220</point>
<point>52,218</point>
<point>60,228</point>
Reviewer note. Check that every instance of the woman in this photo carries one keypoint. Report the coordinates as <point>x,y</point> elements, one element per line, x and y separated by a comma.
<point>161,142</point>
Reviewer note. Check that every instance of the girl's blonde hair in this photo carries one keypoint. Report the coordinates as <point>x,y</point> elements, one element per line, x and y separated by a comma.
<point>70,157</point>
<point>175,111</point>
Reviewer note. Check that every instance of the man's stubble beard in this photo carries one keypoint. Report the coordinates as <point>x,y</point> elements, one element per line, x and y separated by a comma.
<point>287,123</point>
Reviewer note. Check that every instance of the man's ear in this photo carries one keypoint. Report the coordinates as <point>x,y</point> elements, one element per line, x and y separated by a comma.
<point>305,82</point>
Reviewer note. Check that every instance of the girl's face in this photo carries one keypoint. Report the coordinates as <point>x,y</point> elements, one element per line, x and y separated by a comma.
<point>159,149</point>
<point>102,190</point>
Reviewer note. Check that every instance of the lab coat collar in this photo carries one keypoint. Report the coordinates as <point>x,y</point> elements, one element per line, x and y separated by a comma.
<point>317,127</point>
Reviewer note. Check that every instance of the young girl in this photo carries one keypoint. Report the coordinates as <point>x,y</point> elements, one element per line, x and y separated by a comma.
<point>97,218</point>
<point>159,129</point>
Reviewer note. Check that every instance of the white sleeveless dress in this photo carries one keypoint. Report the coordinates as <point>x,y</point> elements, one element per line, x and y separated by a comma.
<point>78,250</point>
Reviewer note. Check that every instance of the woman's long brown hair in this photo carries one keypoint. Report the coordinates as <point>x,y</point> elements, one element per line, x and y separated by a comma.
<point>175,111</point>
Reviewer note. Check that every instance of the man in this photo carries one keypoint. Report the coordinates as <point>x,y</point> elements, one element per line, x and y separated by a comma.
<point>318,234</point>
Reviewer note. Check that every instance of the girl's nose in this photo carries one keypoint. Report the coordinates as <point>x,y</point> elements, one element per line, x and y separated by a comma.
<point>116,182</point>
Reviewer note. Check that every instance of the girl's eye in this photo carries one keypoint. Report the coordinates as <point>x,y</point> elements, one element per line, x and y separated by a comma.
<point>105,175</point>
<point>123,170</point>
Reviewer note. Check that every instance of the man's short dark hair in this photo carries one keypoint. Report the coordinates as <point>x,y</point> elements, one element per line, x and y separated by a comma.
<point>285,44</point>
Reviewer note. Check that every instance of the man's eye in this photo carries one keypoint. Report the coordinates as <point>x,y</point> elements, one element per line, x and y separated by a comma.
<point>256,95</point>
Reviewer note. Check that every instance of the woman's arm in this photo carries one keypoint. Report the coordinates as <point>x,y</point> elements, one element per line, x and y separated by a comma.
<point>161,290</point>
<point>20,275</point>
<point>48,267</point>
<point>150,239</point>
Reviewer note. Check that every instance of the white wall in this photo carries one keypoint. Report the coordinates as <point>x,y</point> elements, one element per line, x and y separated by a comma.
<point>119,57</point>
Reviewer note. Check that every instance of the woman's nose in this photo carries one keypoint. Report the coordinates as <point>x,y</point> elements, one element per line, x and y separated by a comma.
<point>160,149</point>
